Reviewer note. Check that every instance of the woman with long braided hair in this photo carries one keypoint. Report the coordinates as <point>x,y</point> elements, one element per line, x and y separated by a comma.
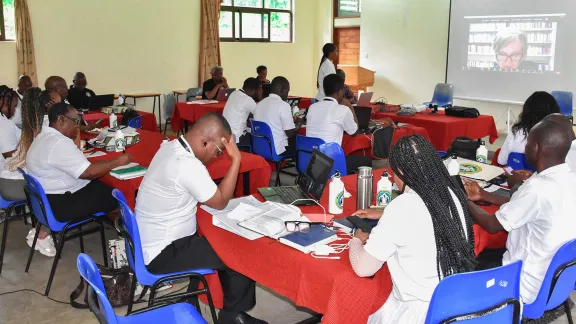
<point>423,235</point>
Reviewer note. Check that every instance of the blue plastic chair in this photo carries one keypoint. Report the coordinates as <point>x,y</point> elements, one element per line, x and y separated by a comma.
<point>8,206</point>
<point>558,283</point>
<point>443,95</point>
<point>263,145</point>
<point>42,211</point>
<point>304,147</point>
<point>135,122</point>
<point>565,101</point>
<point>518,161</point>
<point>336,153</point>
<point>135,257</point>
<point>169,105</point>
<point>488,296</point>
<point>174,313</point>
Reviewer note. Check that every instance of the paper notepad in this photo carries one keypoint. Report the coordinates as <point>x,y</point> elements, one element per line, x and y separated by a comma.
<point>128,172</point>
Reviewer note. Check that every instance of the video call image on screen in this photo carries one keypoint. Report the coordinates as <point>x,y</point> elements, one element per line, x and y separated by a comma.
<point>514,43</point>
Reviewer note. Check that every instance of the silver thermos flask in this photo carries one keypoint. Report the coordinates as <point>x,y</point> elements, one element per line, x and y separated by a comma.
<point>364,188</point>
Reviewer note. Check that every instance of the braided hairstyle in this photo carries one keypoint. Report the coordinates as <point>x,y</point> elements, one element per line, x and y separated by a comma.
<point>415,161</point>
<point>4,89</point>
<point>34,105</point>
<point>326,50</point>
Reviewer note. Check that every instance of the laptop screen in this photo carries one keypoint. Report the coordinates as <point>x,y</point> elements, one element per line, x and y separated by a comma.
<point>317,174</point>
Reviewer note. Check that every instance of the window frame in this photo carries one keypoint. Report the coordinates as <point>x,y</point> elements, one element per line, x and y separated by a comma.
<point>2,23</point>
<point>350,15</point>
<point>263,11</point>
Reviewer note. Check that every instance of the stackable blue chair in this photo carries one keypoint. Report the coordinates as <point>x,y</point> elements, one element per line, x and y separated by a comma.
<point>443,95</point>
<point>174,313</point>
<point>518,161</point>
<point>42,211</point>
<point>336,153</point>
<point>135,257</point>
<point>263,145</point>
<point>488,296</point>
<point>558,284</point>
<point>169,105</point>
<point>8,206</point>
<point>135,122</point>
<point>566,101</point>
<point>304,147</point>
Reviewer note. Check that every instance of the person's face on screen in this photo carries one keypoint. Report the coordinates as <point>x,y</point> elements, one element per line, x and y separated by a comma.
<point>510,56</point>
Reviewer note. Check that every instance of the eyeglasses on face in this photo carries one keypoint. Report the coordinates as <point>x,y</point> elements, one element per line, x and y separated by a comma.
<point>503,57</point>
<point>74,120</point>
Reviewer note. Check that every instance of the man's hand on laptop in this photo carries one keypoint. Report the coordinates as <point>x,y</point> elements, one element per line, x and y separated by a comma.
<point>232,149</point>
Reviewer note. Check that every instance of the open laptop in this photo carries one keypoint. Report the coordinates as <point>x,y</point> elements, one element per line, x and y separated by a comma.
<point>365,99</point>
<point>223,94</point>
<point>363,115</point>
<point>99,102</point>
<point>310,185</point>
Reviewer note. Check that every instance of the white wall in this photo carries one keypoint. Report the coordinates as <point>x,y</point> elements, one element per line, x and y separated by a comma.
<point>405,42</point>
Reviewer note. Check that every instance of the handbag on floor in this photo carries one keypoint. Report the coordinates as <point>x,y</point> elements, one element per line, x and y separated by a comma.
<point>117,283</point>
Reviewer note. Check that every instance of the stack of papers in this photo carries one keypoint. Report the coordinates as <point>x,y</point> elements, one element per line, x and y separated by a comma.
<point>202,102</point>
<point>129,171</point>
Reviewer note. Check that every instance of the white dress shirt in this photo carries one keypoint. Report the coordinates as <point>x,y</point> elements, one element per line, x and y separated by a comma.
<point>278,115</point>
<point>329,120</point>
<point>236,111</point>
<point>56,162</point>
<point>326,68</point>
<point>571,157</point>
<point>539,219</point>
<point>168,197</point>
<point>17,117</point>
<point>9,138</point>
<point>514,143</point>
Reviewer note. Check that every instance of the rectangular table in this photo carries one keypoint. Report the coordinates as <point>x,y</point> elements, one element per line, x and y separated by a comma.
<point>254,169</point>
<point>326,286</point>
<point>148,119</point>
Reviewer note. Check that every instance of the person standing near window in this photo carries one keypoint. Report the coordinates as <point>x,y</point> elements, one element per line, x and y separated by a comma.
<point>330,53</point>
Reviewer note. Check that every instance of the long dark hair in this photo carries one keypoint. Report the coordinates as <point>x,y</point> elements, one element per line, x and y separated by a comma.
<point>326,50</point>
<point>539,105</point>
<point>416,162</point>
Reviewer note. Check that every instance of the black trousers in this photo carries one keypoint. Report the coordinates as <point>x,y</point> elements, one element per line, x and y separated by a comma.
<point>244,142</point>
<point>193,252</point>
<point>95,197</point>
<point>291,148</point>
<point>353,162</point>
<point>490,258</point>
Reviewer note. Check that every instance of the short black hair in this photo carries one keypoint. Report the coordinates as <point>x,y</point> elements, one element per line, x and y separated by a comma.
<point>251,84</point>
<point>59,109</point>
<point>261,68</point>
<point>332,84</point>
<point>280,82</point>
<point>219,118</point>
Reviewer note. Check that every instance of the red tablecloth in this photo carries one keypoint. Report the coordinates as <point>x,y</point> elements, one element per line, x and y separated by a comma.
<point>148,119</point>
<point>444,129</point>
<point>329,287</point>
<point>143,152</point>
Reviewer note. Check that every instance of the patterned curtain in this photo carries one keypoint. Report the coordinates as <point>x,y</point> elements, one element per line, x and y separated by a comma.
<point>24,41</point>
<point>209,38</point>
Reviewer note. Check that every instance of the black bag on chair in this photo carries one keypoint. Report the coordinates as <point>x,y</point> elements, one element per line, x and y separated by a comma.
<point>117,282</point>
<point>127,115</point>
<point>462,112</point>
<point>382,142</point>
<point>463,147</point>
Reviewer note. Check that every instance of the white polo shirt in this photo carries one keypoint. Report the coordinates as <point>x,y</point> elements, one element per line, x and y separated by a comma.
<point>514,143</point>
<point>17,117</point>
<point>166,203</point>
<point>540,217</point>
<point>9,138</point>
<point>56,162</point>
<point>571,157</point>
<point>326,68</point>
<point>238,107</point>
<point>328,120</point>
<point>278,115</point>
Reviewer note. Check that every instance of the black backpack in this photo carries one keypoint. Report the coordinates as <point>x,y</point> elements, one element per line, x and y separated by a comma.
<point>127,115</point>
<point>463,147</point>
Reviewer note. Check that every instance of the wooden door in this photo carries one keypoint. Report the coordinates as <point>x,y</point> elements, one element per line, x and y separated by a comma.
<point>347,40</point>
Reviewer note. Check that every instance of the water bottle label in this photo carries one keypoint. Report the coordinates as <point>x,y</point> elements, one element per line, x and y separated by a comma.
<point>340,200</point>
<point>383,198</point>
<point>481,158</point>
<point>120,144</point>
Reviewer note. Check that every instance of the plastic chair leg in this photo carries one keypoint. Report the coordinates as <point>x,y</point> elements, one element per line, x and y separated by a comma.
<point>56,258</point>
<point>32,248</point>
<point>278,174</point>
<point>4,234</point>
<point>81,240</point>
<point>209,297</point>
<point>568,312</point>
<point>103,242</point>
<point>132,292</point>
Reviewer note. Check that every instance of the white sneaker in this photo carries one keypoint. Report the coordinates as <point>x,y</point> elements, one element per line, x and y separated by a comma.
<point>30,236</point>
<point>45,246</point>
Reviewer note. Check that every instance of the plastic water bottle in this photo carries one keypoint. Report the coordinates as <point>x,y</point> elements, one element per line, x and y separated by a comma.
<point>453,166</point>
<point>336,195</point>
<point>482,153</point>
<point>384,191</point>
<point>113,120</point>
<point>119,141</point>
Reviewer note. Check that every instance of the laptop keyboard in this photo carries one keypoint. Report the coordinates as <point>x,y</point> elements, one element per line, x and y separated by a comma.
<point>289,195</point>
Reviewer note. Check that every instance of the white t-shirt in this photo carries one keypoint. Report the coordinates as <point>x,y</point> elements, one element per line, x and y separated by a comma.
<point>166,203</point>
<point>514,143</point>
<point>571,157</point>
<point>539,219</point>
<point>238,107</point>
<point>326,68</point>
<point>17,117</point>
<point>9,138</point>
<point>278,115</point>
<point>329,120</point>
<point>56,162</point>
<point>404,239</point>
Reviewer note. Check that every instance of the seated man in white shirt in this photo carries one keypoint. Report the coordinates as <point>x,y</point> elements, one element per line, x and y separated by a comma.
<point>239,106</point>
<point>166,207</point>
<point>276,112</point>
<point>328,119</point>
<point>540,215</point>
<point>68,178</point>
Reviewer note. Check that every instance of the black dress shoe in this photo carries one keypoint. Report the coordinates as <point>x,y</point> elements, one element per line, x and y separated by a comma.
<point>241,318</point>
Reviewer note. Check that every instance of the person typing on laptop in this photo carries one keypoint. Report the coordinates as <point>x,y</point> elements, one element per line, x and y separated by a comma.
<point>78,95</point>
<point>211,87</point>
<point>328,119</point>
<point>176,181</point>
